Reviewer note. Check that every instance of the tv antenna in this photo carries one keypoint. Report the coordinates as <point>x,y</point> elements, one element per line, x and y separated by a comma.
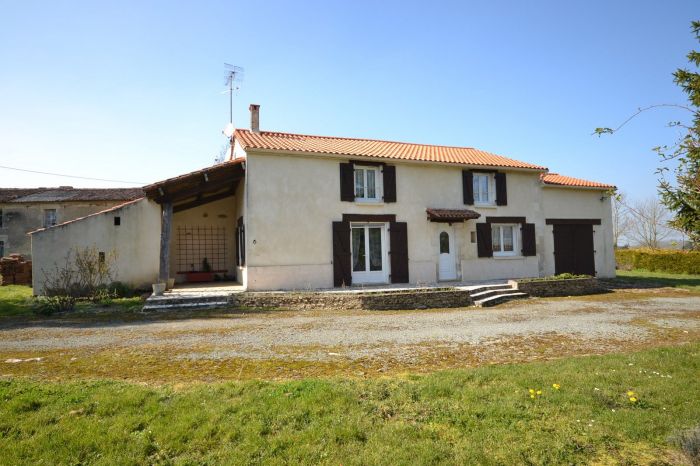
<point>233,76</point>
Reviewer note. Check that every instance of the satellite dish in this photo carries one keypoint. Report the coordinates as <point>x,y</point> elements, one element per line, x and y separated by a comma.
<point>228,130</point>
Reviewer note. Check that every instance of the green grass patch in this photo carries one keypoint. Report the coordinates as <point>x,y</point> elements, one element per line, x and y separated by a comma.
<point>18,301</point>
<point>15,300</point>
<point>674,280</point>
<point>477,416</point>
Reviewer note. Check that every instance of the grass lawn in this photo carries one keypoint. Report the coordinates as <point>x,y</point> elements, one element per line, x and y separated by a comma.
<point>18,301</point>
<point>646,278</point>
<point>476,416</point>
<point>15,300</point>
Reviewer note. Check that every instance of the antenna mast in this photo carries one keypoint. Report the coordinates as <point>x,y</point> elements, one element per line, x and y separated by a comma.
<point>234,74</point>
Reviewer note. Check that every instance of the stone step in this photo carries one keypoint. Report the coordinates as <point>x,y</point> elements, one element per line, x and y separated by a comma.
<point>482,288</point>
<point>498,299</point>
<point>184,299</point>
<point>169,306</point>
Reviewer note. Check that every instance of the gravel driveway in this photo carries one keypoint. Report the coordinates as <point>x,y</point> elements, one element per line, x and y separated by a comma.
<point>537,326</point>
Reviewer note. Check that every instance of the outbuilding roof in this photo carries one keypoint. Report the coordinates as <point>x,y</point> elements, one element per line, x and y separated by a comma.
<point>372,148</point>
<point>556,179</point>
<point>68,194</point>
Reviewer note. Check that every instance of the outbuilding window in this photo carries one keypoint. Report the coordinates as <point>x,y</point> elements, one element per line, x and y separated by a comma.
<point>49,217</point>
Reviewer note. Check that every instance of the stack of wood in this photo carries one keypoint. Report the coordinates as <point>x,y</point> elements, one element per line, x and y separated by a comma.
<point>15,270</point>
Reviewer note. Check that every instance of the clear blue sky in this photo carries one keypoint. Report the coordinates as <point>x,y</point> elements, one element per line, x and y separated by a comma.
<point>132,90</point>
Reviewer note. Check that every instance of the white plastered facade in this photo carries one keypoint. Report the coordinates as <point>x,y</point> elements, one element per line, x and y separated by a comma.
<point>294,199</point>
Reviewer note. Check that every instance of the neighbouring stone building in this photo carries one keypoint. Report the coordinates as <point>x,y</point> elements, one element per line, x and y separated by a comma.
<point>26,209</point>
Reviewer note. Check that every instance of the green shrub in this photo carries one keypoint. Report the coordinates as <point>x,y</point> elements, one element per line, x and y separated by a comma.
<point>663,260</point>
<point>49,305</point>
<point>561,276</point>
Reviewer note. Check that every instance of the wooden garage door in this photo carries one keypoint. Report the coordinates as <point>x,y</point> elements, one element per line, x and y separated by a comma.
<point>573,249</point>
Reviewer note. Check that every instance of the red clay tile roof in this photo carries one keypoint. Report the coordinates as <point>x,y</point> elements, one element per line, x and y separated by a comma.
<point>560,180</point>
<point>451,215</point>
<point>68,194</point>
<point>267,140</point>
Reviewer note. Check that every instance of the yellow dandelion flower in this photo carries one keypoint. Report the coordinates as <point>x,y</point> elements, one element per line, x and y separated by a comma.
<point>532,391</point>
<point>630,393</point>
<point>539,392</point>
<point>556,386</point>
<point>532,396</point>
<point>633,399</point>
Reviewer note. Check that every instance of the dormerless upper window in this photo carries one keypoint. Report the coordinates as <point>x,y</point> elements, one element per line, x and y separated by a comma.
<point>483,188</point>
<point>368,183</point>
<point>504,239</point>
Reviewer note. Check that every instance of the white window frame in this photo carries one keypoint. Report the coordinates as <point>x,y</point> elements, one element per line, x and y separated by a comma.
<point>374,276</point>
<point>490,192</point>
<point>46,218</point>
<point>516,239</point>
<point>378,183</point>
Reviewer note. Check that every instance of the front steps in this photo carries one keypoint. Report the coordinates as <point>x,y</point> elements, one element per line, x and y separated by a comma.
<point>491,295</point>
<point>169,302</point>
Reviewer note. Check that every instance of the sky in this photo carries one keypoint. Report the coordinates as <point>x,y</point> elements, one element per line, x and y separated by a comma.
<point>134,91</point>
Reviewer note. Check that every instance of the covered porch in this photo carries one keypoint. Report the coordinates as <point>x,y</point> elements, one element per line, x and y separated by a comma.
<point>202,228</point>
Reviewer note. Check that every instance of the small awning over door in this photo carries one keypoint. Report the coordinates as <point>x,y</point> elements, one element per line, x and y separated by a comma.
<point>451,215</point>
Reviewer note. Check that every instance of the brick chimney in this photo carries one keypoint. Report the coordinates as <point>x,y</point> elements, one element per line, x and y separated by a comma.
<point>254,118</point>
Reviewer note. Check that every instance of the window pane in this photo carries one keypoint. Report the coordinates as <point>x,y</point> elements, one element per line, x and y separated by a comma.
<point>507,238</point>
<point>484,188</point>
<point>359,182</point>
<point>496,238</point>
<point>475,188</point>
<point>358,249</point>
<point>371,189</point>
<point>444,243</point>
<point>375,249</point>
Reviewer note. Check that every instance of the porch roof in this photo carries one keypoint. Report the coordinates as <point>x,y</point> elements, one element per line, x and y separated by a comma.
<point>198,187</point>
<point>451,215</point>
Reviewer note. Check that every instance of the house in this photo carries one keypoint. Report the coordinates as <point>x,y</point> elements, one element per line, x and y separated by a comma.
<point>25,209</point>
<point>292,211</point>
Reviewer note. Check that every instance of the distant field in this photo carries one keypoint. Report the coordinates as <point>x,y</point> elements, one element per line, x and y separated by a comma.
<point>646,278</point>
<point>475,416</point>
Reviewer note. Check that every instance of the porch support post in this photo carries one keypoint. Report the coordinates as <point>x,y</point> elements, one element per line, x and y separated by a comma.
<point>165,230</point>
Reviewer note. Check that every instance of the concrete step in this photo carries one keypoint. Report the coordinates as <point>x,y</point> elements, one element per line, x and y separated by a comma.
<point>480,288</point>
<point>498,299</point>
<point>479,294</point>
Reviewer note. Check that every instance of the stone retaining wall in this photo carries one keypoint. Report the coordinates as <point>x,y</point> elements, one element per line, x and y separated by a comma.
<point>566,287</point>
<point>389,300</point>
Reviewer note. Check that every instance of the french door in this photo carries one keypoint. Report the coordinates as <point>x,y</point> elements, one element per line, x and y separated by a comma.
<point>369,253</point>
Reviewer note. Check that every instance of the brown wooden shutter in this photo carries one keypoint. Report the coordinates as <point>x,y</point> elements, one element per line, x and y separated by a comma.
<point>529,241</point>
<point>389,175</point>
<point>501,189</point>
<point>342,260</point>
<point>484,246</point>
<point>468,187</point>
<point>398,238</point>
<point>347,182</point>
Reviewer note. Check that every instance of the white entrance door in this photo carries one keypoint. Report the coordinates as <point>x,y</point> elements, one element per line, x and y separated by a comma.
<point>369,253</point>
<point>447,267</point>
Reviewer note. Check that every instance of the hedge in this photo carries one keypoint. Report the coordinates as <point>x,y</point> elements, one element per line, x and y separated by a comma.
<point>663,260</point>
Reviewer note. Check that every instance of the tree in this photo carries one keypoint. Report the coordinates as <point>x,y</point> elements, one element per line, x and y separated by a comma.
<point>620,217</point>
<point>683,196</point>
<point>649,222</point>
